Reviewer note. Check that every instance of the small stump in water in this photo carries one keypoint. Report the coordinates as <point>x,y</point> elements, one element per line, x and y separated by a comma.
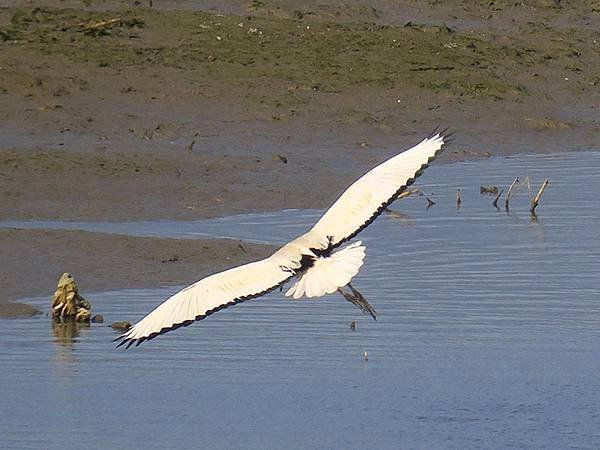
<point>121,326</point>
<point>68,304</point>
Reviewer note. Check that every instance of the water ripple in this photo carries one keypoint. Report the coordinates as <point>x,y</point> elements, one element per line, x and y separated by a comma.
<point>488,335</point>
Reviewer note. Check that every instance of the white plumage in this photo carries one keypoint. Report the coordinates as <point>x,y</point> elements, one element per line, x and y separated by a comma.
<point>312,257</point>
<point>329,273</point>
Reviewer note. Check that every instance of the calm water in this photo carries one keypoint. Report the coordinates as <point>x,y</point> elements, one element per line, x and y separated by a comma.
<point>488,336</point>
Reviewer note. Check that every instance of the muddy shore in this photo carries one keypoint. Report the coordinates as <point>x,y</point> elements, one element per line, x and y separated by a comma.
<point>120,111</point>
<point>33,260</point>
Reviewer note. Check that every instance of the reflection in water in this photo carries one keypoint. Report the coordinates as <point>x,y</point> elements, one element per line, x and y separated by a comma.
<point>538,226</point>
<point>530,222</point>
<point>66,334</point>
<point>403,218</point>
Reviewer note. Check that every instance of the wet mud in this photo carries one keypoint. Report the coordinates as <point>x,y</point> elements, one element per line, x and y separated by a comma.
<point>31,261</point>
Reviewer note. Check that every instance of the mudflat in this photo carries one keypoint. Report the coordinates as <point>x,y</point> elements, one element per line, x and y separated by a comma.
<point>32,261</point>
<point>120,111</point>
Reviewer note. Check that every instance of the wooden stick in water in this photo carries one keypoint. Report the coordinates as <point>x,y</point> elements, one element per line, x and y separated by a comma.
<point>538,196</point>
<point>409,192</point>
<point>510,191</point>
<point>495,203</point>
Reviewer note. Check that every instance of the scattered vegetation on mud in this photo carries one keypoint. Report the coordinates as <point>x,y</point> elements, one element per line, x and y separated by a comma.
<point>296,55</point>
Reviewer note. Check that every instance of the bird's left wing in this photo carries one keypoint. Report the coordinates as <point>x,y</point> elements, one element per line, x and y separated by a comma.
<point>368,196</point>
<point>207,296</point>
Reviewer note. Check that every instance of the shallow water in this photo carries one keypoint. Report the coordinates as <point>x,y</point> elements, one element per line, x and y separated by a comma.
<point>488,336</point>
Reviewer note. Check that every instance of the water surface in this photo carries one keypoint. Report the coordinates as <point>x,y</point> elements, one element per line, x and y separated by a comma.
<point>488,335</point>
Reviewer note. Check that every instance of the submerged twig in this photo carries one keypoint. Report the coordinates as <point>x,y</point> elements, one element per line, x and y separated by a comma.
<point>409,192</point>
<point>495,202</point>
<point>538,196</point>
<point>510,192</point>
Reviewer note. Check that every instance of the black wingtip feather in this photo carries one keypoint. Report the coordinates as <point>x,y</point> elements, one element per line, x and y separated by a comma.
<point>434,132</point>
<point>409,182</point>
<point>444,133</point>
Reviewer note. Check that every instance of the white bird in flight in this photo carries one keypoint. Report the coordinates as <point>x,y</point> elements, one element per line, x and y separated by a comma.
<point>313,259</point>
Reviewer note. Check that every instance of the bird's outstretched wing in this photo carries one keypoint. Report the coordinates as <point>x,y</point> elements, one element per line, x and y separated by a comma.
<point>207,296</point>
<point>368,196</point>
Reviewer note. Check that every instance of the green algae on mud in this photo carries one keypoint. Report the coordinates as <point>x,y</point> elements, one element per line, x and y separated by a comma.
<point>297,57</point>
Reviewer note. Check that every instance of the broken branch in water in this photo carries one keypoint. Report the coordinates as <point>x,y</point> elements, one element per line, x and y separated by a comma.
<point>538,196</point>
<point>409,192</point>
<point>511,190</point>
<point>495,202</point>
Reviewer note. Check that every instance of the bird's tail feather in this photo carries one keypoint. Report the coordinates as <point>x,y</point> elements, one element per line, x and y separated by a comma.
<point>329,273</point>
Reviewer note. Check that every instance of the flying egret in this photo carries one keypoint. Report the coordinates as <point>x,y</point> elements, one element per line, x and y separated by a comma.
<point>314,258</point>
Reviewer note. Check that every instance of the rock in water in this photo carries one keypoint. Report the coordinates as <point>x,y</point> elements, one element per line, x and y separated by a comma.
<point>121,326</point>
<point>68,304</point>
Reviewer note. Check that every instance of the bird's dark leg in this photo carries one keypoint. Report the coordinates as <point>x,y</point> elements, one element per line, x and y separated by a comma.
<point>356,298</point>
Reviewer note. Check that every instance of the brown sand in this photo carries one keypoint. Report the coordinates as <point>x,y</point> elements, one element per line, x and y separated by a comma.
<point>182,111</point>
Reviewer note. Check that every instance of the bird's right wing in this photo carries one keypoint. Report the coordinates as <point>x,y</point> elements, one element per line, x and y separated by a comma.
<point>207,296</point>
<point>368,196</point>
